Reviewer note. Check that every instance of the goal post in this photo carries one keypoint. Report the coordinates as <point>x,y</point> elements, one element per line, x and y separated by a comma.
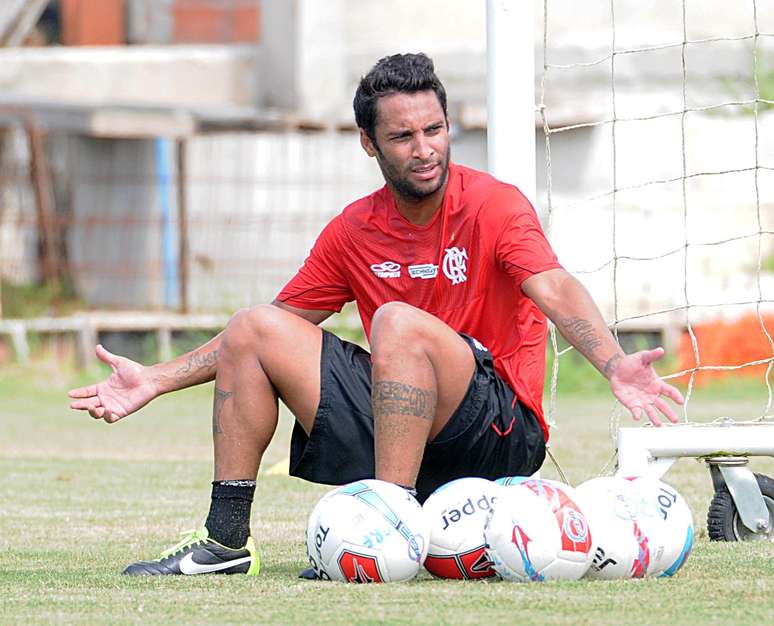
<point>652,451</point>
<point>510,33</point>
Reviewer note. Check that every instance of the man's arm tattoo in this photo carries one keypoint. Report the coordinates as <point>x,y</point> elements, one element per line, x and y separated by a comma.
<point>197,361</point>
<point>610,365</point>
<point>217,405</point>
<point>582,332</point>
<point>394,398</point>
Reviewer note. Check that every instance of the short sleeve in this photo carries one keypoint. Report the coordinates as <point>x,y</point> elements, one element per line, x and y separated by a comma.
<point>321,283</point>
<point>521,248</point>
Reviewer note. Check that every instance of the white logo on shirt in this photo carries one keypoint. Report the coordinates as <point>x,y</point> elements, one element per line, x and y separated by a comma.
<point>426,270</point>
<point>455,265</point>
<point>388,269</point>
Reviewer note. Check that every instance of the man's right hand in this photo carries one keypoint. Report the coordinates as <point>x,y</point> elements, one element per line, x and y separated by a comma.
<point>129,388</point>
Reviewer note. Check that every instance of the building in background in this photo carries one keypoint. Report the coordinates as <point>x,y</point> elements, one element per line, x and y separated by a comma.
<point>240,110</point>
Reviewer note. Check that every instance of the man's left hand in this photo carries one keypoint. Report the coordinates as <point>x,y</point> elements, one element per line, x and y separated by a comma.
<point>637,386</point>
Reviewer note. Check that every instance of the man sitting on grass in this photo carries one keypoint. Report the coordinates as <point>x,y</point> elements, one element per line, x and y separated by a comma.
<point>453,278</point>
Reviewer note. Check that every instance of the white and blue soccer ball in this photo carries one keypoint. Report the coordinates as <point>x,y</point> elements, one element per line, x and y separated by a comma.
<point>642,527</point>
<point>666,519</point>
<point>620,546</point>
<point>538,532</point>
<point>367,531</point>
<point>456,513</point>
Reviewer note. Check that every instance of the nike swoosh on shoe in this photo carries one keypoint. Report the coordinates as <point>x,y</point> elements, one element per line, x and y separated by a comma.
<point>189,567</point>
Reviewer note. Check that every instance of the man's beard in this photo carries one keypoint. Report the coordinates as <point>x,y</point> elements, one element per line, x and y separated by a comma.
<point>403,186</point>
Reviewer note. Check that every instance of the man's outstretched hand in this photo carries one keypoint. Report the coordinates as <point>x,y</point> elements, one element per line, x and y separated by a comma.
<point>128,389</point>
<point>637,386</point>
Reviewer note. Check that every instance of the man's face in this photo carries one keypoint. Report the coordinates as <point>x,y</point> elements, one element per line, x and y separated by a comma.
<point>412,143</point>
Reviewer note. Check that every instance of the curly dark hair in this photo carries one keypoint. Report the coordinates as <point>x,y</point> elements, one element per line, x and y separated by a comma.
<point>399,73</point>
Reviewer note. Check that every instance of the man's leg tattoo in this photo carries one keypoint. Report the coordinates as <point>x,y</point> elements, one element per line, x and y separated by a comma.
<point>220,397</point>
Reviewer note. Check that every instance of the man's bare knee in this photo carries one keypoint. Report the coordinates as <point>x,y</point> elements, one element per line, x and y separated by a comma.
<point>250,328</point>
<point>397,323</point>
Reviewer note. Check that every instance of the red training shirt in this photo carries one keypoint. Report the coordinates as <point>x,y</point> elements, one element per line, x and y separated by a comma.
<point>465,267</point>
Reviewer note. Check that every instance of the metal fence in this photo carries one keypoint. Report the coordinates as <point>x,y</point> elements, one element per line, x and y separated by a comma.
<point>209,223</point>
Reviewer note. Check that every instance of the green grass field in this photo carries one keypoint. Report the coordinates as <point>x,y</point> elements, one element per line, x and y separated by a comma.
<point>82,499</point>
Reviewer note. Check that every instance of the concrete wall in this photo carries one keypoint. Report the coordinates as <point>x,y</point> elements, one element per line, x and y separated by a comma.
<point>149,22</point>
<point>201,76</point>
<point>114,241</point>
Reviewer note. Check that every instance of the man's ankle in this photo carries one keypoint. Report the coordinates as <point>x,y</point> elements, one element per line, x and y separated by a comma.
<point>228,521</point>
<point>411,490</point>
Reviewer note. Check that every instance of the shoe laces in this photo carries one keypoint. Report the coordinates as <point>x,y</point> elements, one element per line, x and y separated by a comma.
<point>189,538</point>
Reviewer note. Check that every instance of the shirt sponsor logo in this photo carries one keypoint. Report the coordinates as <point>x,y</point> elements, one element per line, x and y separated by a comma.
<point>388,269</point>
<point>455,265</point>
<point>426,270</point>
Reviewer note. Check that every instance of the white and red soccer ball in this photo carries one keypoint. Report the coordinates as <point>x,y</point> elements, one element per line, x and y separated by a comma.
<point>367,531</point>
<point>456,513</point>
<point>538,532</point>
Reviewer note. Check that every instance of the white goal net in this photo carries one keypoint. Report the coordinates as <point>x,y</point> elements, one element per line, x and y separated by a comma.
<point>658,123</point>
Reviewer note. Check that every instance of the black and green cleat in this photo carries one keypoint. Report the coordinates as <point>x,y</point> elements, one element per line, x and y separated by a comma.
<point>196,553</point>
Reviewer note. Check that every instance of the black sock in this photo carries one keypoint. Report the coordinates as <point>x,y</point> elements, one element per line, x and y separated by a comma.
<point>228,522</point>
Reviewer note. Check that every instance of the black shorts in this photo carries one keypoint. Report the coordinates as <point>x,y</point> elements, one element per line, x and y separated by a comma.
<point>490,435</point>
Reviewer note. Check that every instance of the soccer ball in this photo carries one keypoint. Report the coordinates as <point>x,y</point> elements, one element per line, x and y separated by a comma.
<point>456,513</point>
<point>620,546</point>
<point>507,481</point>
<point>367,531</point>
<point>666,519</point>
<point>642,527</point>
<point>537,532</point>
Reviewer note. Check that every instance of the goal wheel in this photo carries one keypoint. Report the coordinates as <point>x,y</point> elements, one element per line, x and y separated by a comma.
<point>724,523</point>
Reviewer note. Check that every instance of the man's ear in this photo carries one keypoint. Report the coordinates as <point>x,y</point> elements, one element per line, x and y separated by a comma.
<point>367,144</point>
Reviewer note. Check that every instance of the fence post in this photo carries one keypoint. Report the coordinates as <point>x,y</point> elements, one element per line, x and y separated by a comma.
<point>182,221</point>
<point>20,345</point>
<point>40,178</point>
<point>87,339</point>
<point>164,338</point>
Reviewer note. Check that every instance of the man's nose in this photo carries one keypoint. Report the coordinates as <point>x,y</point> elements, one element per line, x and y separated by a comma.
<point>422,148</point>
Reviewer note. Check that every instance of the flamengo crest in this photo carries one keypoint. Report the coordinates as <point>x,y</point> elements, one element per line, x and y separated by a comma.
<point>455,265</point>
